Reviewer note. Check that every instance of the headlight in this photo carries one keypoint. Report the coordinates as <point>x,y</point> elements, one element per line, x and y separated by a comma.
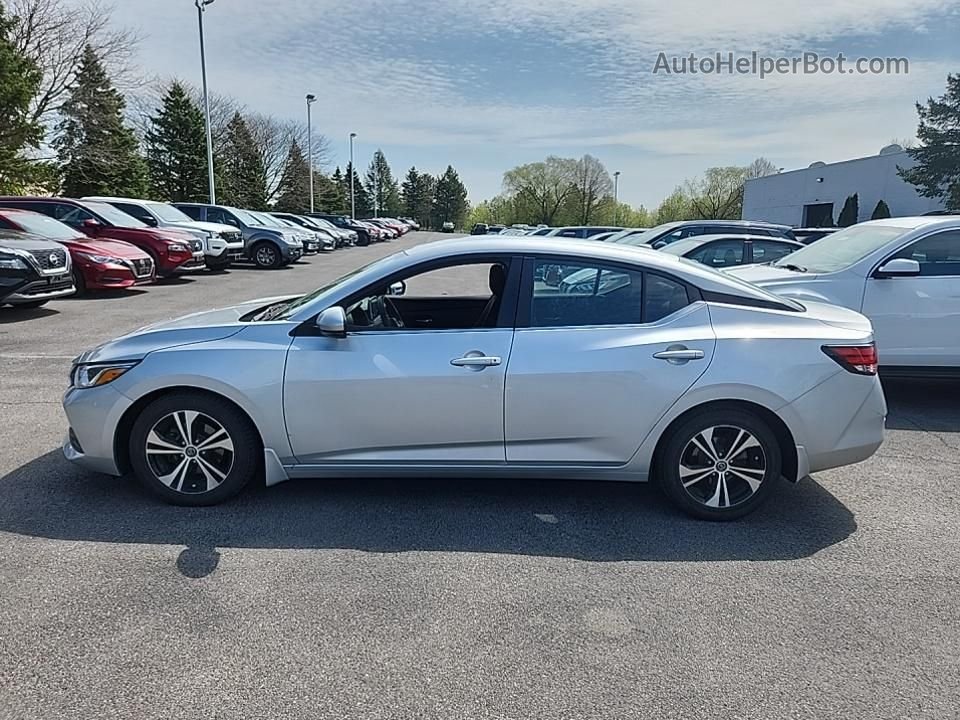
<point>177,247</point>
<point>88,376</point>
<point>12,262</point>
<point>101,259</point>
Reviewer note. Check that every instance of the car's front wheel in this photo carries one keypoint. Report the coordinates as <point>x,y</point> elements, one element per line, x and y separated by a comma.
<point>721,464</point>
<point>267,255</point>
<point>194,449</point>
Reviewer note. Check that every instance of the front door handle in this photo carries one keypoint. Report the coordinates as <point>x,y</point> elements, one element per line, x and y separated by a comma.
<point>475,361</point>
<point>679,355</point>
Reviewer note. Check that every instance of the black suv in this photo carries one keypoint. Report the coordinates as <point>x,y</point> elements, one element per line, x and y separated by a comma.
<point>32,270</point>
<point>342,221</point>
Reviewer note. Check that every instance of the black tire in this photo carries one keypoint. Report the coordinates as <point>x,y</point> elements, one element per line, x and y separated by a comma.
<point>363,239</point>
<point>266,255</point>
<point>232,469</point>
<point>78,282</point>
<point>737,496</point>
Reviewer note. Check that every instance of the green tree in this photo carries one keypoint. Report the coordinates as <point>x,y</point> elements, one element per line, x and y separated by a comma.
<point>450,199</point>
<point>98,154</point>
<point>544,186</point>
<point>176,149</point>
<point>718,195</point>
<point>850,215</point>
<point>417,196</point>
<point>19,84</point>
<point>593,188</point>
<point>243,178</point>
<point>328,193</point>
<point>364,207</point>
<point>881,211</point>
<point>936,172</point>
<point>676,206</point>
<point>382,187</point>
<point>293,193</point>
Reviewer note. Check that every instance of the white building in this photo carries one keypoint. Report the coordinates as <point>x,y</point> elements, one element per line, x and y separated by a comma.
<point>802,198</point>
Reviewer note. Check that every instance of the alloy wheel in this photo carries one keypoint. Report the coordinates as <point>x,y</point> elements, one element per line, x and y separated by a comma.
<point>722,466</point>
<point>189,452</point>
<point>266,256</point>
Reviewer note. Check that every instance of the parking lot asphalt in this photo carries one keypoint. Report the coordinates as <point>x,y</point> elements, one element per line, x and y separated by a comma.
<point>460,599</point>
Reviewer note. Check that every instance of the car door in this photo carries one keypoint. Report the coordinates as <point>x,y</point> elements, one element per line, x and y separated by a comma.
<point>410,394</point>
<point>596,362</point>
<point>916,319</point>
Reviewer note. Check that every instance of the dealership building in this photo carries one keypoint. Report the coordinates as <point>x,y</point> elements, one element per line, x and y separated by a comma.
<point>808,197</point>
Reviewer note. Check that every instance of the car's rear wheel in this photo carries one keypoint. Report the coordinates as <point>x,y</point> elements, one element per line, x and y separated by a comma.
<point>193,449</point>
<point>78,282</point>
<point>721,464</point>
<point>266,255</point>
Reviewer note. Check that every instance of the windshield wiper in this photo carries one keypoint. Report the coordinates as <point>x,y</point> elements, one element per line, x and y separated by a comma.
<point>272,312</point>
<point>795,268</point>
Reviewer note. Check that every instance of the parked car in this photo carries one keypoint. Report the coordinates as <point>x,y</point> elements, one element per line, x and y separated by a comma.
<point>540,232</point>
<point>580,231</point>
<point>98,264</point>
<point>902,273</point>
<point>622,235</point>
<point>308,241</point>
<point>414,225</point>
<point>401,227</point>
<point>449,227</point>
<point>222,244</point>
<point>327,238</point>
<point>33,270</point>
<point>345,236</point>
<point>809,235</point>
<point>663,235</point>
<point>341,221</point>
<point>479,229</point>
<point>719,251</point>
<point>602,237</point>
<point>266,246</point>
<point>376,233</point>
<point>173,251</point>
<point>671,380</point>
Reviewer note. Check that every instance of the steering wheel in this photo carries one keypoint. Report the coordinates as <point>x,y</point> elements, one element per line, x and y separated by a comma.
<point>390,310</point>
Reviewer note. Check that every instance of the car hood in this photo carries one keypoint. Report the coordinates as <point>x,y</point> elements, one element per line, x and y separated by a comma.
<point>216,228</point>
<point>197,327</point>
<point>111,248</point>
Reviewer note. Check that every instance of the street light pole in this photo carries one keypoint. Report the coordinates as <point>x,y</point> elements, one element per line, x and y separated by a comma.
<point>616,197</point>
<point>353,172</point>
<point>311,99</point>
<point>201,5</point>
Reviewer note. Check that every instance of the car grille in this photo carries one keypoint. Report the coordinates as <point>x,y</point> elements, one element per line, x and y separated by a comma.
<point>42,288</point>
<point>142,267</point>
<point>50,260</point>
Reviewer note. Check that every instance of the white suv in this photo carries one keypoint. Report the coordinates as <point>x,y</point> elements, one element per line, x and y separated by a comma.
<point>222,244</point>
<point>902,273</point>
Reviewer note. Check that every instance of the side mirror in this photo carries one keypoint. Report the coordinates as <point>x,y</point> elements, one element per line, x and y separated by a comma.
<point>397,288</point>
<point>898,267</point>
<point>90,226</point>
<point>150,220</point>
<point>332,322</point>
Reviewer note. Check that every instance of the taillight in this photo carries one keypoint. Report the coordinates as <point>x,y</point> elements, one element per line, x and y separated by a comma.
<point>858,359</point>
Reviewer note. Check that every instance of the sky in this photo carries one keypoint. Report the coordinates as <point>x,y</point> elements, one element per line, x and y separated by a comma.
<point>485,85</point>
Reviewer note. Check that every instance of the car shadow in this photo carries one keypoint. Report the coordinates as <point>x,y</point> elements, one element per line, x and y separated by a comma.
<point>110,294</point>
<point>929,405</point>
<point>259,269</point>
<point>176,280</point>
<point>592,521</point>
<point>13,314</point>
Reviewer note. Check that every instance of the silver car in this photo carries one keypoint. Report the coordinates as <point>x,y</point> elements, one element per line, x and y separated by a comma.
<point>452,359</point>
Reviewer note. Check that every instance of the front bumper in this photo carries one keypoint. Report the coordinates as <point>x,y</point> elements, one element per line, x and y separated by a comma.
<point>195,263</point>
<point>291,254</point>
<point>47,288</point>
<point>93,414</point>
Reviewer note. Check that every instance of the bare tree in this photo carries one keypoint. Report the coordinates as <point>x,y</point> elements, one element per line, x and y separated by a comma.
<point>54,33</point>
<point>718,195</point>
<point>761,167</point>
<point>544,186</point>
<point>593,186</point>
<point>274,137</point>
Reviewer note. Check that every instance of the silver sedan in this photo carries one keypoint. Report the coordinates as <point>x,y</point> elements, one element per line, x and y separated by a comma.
<point>474,358</point>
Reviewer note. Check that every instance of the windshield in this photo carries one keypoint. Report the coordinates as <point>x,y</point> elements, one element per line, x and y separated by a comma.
<point>645,238</point>
<point>624,234</point>
<point>291,307</point>
<point>248,218</point>
<point>114,216</point>
<point>168,213</point>
<point>841,249</point>
<point>44,226</point>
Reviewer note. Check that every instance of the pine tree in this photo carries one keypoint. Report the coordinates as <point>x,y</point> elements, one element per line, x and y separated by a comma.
<point>98,154</point>
<point>342,191</point>
<point>850,215</point>
<point>329,196</point>
<point>176,146</point>
<point>936,172</point>
<point>381,186</point>
<point>243,178</point>
<point>417,196</point>
<point>293,194</point>
<point>450,199</point>
<point>364,206</point>
<point>881,211</point>
<point>19,84</point>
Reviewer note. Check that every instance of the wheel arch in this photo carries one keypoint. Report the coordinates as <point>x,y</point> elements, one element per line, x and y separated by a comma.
<point>121,437</point>
<point>785,438</point>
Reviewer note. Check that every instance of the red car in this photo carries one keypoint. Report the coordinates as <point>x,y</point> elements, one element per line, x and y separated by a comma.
<point>172,251</point>
<point>97,264</point>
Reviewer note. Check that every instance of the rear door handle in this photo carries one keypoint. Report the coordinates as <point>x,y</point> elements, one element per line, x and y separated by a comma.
<point>476,361</point>
<point>679,355</point>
